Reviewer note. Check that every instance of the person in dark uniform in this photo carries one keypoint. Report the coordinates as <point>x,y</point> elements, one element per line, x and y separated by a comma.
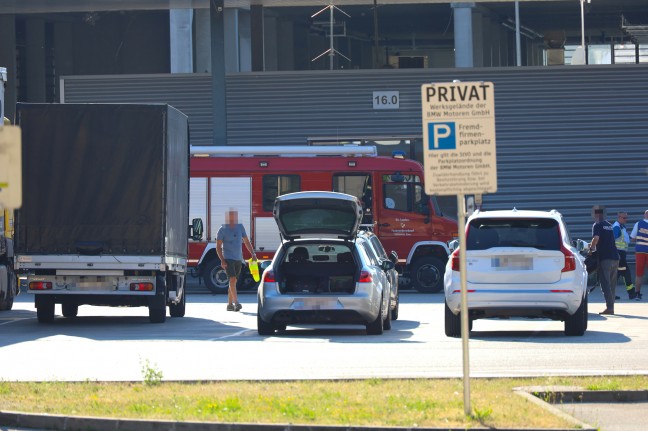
<point>608,257</point>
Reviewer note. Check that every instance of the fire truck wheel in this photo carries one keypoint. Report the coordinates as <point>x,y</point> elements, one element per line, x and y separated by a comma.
<point>70,310</point>
<point>427,274</point>
<point>44,310</point>
<point>215,277</point>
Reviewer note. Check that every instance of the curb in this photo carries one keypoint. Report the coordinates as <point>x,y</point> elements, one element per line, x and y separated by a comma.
<point>81,423</point>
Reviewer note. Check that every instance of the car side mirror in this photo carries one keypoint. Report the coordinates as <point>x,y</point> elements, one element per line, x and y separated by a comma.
<point>393,256</point>
<point>387,265</point>
<point>196,229</point>
<point>581,245</point>
<point>453,245</point>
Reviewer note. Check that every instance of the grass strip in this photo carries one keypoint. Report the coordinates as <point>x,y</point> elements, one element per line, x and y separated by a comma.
<point>386,402</point>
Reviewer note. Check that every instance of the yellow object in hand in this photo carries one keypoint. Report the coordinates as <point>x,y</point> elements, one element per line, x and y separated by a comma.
<point>253,265</point>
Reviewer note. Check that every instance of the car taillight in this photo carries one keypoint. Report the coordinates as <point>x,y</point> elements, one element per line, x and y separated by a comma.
<point>455,260</point>
<point>40,285</point>
<point>570,260</point>
<point>365,277</point>
<point>142,287</point>
<point>269,277</point>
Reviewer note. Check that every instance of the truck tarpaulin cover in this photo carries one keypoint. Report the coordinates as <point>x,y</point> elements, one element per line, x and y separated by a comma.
<point>103,179</point>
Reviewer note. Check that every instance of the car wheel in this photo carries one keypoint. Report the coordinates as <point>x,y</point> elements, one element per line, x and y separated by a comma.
<point>376,327</point>
<point>387,322</point>
<point>452,323</point>
<point>394,312</point>
<point>44,310</point>
<point>215,277</point>
<point>576,324</point>
<point>263,327</point>
<point>427,274</point>
<point>70,310</point>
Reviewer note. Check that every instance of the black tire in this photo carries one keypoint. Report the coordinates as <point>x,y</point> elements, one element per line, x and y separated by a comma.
<point>44,310</point>
<point>70,310</point>
<point>394,312</point>
<point>452,323</point>
<point>178,310</point>
<point>157,303</point>
<point>7,303</point>
<point>387,323</point>
<point>576,324</point>
<point>263,327</point>
<point>376,327</point>
<point>215,277</point>
<point>426,274</point>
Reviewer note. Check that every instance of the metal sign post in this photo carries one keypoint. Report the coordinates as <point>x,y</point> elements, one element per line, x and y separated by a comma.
<point>459,159</point>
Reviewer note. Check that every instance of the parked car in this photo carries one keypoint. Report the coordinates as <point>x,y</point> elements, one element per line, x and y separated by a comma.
<point>519,264</point>
<point>325,270</point>
<point>392,275</point>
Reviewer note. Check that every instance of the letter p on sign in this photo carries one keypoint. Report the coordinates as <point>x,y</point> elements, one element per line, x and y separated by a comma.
<point>443,136</point>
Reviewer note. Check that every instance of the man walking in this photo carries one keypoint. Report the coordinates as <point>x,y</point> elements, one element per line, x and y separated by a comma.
<point>639,235</point>
<point>608,258</point>
<point>621,240</point>
<point>229,238</point>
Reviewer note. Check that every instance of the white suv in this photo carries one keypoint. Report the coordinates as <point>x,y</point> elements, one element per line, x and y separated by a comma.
<point>519,264</point>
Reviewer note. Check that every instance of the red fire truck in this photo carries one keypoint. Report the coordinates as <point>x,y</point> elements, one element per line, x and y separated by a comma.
<point>249,179</point>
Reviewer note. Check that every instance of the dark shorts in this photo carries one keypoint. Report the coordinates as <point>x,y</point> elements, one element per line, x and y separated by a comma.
<point>233,267</point>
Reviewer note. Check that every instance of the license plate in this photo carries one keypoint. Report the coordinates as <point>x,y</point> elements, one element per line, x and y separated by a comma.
<point>315,304</point>
<point>512,263</point>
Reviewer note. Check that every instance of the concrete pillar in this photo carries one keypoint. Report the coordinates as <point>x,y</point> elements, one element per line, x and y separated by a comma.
<point>181,44</point>
<point>245,41</point>
<point>219,101</point>
<point>8,61</point>
<point>35,60</point>
<point>463,34</point>
<point>480,42</point>
<point>257,40</point>
<point>203,39</point>
<point>231,40</point>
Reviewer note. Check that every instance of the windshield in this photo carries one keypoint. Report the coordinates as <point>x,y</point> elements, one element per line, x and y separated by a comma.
<point>543,234</point>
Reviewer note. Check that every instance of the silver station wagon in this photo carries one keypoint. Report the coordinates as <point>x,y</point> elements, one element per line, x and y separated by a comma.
<point>325,271</point>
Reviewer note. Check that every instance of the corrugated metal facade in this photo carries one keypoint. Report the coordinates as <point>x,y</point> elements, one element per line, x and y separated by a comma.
<point>567,137</point>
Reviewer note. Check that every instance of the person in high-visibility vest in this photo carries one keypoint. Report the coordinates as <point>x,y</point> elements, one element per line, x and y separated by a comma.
<point>621,240</point>
<point>639,235</point>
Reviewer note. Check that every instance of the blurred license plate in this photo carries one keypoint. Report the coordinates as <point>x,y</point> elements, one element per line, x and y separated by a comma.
<point>315,304</point>
<point>512,263</point>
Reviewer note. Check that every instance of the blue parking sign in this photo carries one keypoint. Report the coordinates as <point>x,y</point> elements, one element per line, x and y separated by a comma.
<point>441,136</point>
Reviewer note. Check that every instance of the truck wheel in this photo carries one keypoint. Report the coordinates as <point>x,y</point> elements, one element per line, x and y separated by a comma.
<point>157,303</point>
<point>427,274</point>
<point>45,310</point>
<point>452,323</point>
<point>7,302</point>
<point>215,277</point>
<point>70,310</point>
<point>178,310</point>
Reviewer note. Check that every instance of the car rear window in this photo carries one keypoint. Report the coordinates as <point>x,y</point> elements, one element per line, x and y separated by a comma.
<point>543,234</point>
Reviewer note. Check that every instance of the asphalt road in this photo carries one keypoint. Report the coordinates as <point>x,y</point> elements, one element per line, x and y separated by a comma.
<point>210,343</point>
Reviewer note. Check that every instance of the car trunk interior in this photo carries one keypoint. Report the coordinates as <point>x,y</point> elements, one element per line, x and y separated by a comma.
<point>317,269</point>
